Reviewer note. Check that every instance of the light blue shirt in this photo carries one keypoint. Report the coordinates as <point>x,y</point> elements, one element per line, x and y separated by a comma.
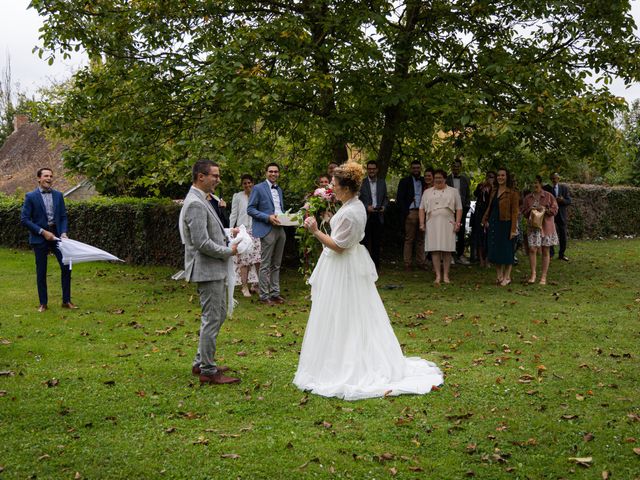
<point>417,193</point>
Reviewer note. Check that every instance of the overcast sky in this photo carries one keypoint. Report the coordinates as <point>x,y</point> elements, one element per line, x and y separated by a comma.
<point>19,35</point>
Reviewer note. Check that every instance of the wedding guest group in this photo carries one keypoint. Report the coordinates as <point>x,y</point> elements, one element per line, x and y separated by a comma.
<point>563,198</point>
<point>440,216</point>
<point>266,202</point>
<point>409,195</point>
<point>540,207</point>
<point>247,263</point>
<point>45,216</point>
<point>373,195</point>
<point>206,250</point>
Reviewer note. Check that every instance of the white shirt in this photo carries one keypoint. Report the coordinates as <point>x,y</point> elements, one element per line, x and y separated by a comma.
<point>373,185</point>
<point>276,199</point>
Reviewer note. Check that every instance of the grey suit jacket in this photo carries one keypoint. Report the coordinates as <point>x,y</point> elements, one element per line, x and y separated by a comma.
<point>205,243</point>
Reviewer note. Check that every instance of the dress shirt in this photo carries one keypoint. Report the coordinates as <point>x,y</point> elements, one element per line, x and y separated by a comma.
<point>48,204</point>
<point>276,198</point>
<point>373,185</point>
<point>417,193</point>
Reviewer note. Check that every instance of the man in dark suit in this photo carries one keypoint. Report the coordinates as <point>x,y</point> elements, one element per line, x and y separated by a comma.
<point>462,184</point>
<point>563,197</point>
<point>373,194</point>
<point>409,195</point>
<point>266,202</point>
<point>45,216</point>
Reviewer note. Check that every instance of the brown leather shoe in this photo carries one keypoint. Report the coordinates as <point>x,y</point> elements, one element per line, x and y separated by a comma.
<point>218,379</point>
<point>267,301</point>
<point>42,308</point>
<point>279,300</point>
<point>69,305</point>
<point>195,370</point>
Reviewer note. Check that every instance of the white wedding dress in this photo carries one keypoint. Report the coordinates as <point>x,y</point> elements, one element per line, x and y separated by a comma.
<point>349,349</point>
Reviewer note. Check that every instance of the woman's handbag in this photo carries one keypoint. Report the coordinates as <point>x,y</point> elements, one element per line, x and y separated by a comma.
<point>536,218</point>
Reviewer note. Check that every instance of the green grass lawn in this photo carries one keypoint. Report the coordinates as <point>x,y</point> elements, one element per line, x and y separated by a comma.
<point>534,377</point>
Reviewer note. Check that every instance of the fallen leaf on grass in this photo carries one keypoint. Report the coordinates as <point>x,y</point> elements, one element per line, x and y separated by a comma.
<point>305,464</point>
<point>606,475</point>
<point>532,442</point>
<point>462,416</point>
<point>304,400</point>
<point>587,437</point>
<point>52,382</point>
<point>630,440</point>
<point>230,455</point>
<point>526,378</point>
<point>77,476</point>
<point>386,456</point>
<point>634,417</point>
<point>3,393</point>
<point>582,461</point>
<point>7,373</point>
<point>229,435</point>
<point>415,469</point>
<point>117,311</point>
<point>4,341</point>
<point>241,354</point>
<point>170,430</point>
<point>393,471</point>
<point>110,383</point>
<point>471,448</point>
<point>43,457</point>
<point>201,441</point>
<point>636,451</point>
<point>568,417</point>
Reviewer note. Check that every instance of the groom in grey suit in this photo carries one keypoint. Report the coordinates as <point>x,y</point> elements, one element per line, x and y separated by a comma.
<point>206,251</point>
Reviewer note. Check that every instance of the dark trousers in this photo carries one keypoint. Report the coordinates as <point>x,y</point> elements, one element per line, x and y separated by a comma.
<point>561,230</point>
<point>461,233</point>
<point>42,252</point>
<point>373,237</point>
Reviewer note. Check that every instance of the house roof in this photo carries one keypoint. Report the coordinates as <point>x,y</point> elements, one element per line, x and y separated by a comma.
<point>23,153</point>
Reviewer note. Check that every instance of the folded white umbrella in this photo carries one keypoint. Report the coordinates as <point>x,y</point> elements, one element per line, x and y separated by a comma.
<point>74,251</point>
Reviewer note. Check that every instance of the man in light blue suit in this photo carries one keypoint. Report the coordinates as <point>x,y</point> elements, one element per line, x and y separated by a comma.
<point>265,204</point>
<point>45,216</point>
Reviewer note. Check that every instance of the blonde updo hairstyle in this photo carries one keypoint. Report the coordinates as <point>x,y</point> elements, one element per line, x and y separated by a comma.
<point>349,175</point>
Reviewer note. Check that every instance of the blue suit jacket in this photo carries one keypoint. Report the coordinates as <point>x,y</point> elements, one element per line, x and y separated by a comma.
<point>34,215</point>
<point>261,206</point>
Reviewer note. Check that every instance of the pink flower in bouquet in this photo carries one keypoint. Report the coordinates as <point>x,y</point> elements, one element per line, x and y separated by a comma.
<point>324,193</point>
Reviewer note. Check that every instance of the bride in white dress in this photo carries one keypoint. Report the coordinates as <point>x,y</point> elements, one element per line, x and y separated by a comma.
<point>350,350</point>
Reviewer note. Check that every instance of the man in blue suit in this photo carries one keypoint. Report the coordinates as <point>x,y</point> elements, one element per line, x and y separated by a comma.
<point>265,204</point>
<point>45,215</point>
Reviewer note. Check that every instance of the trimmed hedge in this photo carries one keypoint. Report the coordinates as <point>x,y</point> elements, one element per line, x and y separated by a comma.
<point>140,231</point>
<point>599,211</point>
<point>145,231</point>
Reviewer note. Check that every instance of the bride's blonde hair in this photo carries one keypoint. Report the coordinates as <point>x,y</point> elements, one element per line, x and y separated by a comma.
<point>349,175</point>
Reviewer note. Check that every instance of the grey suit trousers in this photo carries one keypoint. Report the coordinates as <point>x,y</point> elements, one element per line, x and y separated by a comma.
<point>214,310</point>
<point>272,246</point>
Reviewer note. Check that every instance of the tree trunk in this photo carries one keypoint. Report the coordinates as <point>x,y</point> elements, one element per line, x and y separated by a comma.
<point>393,114</point>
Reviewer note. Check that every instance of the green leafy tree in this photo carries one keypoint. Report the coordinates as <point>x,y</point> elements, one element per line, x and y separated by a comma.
<point>246,81</point>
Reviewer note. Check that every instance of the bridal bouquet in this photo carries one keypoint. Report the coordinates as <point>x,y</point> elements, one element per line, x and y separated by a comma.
<point>322,205</point>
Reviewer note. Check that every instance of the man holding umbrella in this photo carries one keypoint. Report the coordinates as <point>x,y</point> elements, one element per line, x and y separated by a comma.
<point>45,216</point>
